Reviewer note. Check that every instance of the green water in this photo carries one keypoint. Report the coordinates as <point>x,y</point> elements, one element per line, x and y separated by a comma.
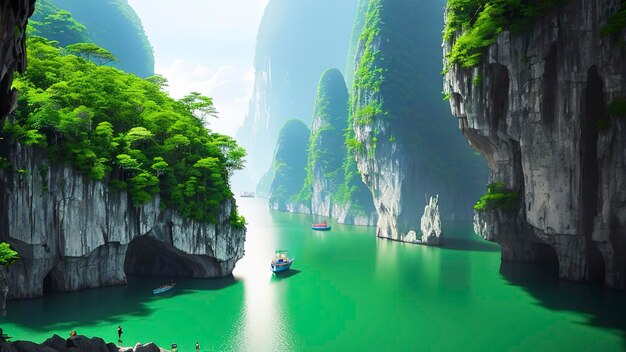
<point>347,291</point>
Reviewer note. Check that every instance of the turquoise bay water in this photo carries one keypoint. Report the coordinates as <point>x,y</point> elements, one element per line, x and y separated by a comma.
<point>347,291</point>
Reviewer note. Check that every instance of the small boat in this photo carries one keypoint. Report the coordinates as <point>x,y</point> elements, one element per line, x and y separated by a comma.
<point>321,227</point>
<point>281,261</point>
<point>247,195</point>
<point>163,288</point>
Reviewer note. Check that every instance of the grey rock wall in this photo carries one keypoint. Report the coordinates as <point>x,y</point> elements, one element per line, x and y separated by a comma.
<point>535,118</point>
<point>408,144</point>
<point>73,233</point>
<point>14,16</point>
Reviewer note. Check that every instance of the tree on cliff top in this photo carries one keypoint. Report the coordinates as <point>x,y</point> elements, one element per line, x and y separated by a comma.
<point>7,255</point>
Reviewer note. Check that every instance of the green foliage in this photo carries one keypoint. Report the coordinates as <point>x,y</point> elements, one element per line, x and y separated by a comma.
<point>49,21</point>
<point>5,164</point>
<point>113,25</point>
<point>369,75</point>
<point>616,23</point>
<point>497,197</point>
<point>326,146</point>
<point>478,80</point>
<point>617,107</point>
<point>237,221</point>
<point>603,124</point>
<point>201,106</point>
<point>90,51</point>
<point>290,161</point>
<point>107,123</point>
<point>7,255</point>
<point>481,21</point>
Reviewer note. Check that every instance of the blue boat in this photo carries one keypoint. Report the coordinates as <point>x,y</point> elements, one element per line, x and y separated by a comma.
<point>281,261</point>
<point>321,227</point>
<point>163,288</point>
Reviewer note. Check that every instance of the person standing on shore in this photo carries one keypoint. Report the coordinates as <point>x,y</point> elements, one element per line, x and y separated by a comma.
<point>119,334</point>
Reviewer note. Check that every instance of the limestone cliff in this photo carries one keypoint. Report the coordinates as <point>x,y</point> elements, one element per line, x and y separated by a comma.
<point>73,233</point>
<point>297,41</point>
<point>13,19</point>
<point>113,25</point>
<point>327,191</point>
<point>540,117</point>
<point>290,167</point>
<point>407,146</point>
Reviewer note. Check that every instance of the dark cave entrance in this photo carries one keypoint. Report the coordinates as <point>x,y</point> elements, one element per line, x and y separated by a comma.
<point>593,110</point>
<point>50,282</point>
<point>544,253</point>
<point>148,256</point>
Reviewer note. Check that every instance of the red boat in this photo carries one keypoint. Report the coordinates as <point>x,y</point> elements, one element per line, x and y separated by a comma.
<point>321,227</point>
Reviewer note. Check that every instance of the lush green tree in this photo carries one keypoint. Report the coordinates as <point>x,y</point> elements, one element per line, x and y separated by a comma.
<point>91,52</point>
<point>200,105</point>
<point>7,255</point>
<point>117,127</point>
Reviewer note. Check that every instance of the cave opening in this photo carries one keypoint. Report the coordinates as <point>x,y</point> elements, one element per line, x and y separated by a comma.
<point>593,110</point>
<point>50,282</point>
<point>148,256</point>
<point>544,253</point>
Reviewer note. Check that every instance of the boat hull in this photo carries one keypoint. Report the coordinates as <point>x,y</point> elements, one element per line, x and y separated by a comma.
<point>321,228</point>
<point>160,290</point>
<point>276,268</point>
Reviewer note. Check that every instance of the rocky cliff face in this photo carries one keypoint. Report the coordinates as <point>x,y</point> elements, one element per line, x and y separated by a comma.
<point>108,22</point>
<point>290,167</point>
<point>297,41</point>
<point>73,233</point>
<point>540,118</point>
<point>407,147</point>
<point>326,187</point>
<point>13,19</point>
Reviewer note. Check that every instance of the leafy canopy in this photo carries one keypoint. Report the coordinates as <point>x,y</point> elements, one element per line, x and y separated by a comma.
<point>7,255</point>
<point>119,128</point>
<point>479,22</point>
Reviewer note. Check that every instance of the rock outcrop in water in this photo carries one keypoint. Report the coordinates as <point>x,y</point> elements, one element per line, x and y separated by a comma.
<point>73,233</point>
<point>541,119</point>
<point>431,223</point>
<point>328,188</point>
<point>407,146</point>
<point>297,41</point>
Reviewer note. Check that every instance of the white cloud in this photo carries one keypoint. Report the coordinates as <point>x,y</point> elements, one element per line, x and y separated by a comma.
<point>229,86</point>
<point>206,46</point>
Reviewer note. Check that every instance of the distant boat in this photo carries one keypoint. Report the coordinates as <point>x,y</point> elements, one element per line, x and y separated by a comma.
<point>163,288</point>
<point>321,227</point>
<point>247,195</point>
<point>281,261</point>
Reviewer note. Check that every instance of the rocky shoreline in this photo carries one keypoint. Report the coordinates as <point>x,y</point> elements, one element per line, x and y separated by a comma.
<point>76,343</point>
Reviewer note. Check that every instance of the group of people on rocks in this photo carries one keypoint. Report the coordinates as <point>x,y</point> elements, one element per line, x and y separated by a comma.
<point>119,340</point>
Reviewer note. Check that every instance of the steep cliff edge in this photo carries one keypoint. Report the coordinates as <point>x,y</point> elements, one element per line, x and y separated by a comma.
<point>13,20</point>
<point>73,233</point>
<point>328,188</point>
<point>290,167</point>
<point>297,41</point>
<point>540,115</point>
<point>407,146</point>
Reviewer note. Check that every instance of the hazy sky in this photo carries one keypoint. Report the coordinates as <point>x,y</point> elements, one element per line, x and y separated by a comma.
<point>206,46</point>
